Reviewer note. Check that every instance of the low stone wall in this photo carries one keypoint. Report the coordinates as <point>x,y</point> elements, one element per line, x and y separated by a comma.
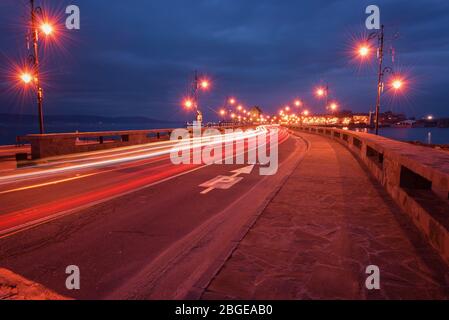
<point>416,177</point>
<point>50,145</point>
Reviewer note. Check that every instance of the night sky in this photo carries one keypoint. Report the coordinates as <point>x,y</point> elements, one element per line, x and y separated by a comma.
<point>137,57</point>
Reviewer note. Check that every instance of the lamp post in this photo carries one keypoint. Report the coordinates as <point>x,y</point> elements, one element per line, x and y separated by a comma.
<point>193,101</point>
<point>196,87</point>
<point>38,26</point>
<point>35,61</point>
<point>381,37</point>
<point>397,83</point>
<point>227,107</point>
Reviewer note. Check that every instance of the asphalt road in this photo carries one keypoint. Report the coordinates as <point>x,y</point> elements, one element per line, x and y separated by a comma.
<point>137,226</point>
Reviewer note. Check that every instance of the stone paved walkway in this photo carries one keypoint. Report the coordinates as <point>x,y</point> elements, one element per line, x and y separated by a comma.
<point>326,225</point>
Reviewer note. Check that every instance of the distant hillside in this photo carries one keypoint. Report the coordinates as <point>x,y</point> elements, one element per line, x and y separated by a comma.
<point>26,118</point>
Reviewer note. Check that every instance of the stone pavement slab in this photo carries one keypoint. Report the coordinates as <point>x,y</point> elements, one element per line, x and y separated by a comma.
<point>329,222</point>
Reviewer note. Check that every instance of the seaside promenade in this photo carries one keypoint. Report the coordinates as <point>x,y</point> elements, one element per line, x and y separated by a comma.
<point>140,227</point>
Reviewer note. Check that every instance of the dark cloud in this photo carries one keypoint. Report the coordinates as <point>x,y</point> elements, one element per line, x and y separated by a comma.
<point>136,57</point>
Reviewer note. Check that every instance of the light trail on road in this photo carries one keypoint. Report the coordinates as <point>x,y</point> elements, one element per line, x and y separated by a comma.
<point>127,156</point>
<point>126,217</point>
<point>129,172</point>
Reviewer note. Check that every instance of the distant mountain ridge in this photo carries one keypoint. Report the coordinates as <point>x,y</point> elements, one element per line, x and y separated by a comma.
<point>84,119</point>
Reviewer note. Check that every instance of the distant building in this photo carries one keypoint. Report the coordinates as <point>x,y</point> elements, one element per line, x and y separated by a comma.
<point>390,118</point>
<point>361,118</point>
<point>349,119</point>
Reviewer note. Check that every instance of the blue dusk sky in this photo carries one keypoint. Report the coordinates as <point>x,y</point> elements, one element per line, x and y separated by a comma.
<point>136,58</point>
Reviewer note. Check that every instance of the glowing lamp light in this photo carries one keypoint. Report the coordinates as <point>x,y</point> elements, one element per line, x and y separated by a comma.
<point>222,112</point>
<point>333,106</point>
<point>363,51</point>
<point>397,84</point>
<point>239,108</point>
<point>47,28</point>
<point>287,108</point>
<point>306,113</point>
<point>204,84</point>
<point>188,103</point>
<point>320,92</point>
<point>232,101</point>
<point>26,77</point>
<point>298,103</point>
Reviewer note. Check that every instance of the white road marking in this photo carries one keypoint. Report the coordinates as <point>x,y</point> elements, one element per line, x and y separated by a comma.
<point>244,170</point>
<point>225,182</point>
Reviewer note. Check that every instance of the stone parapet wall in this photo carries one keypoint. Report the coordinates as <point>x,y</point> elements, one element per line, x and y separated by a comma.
<point>417,178</point>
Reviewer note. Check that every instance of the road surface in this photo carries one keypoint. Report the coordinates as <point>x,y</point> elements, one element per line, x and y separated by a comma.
<point>137,226</point>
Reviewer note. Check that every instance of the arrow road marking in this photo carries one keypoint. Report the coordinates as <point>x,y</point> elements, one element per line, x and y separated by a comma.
<point>244,170</point>
<point>226,182</point>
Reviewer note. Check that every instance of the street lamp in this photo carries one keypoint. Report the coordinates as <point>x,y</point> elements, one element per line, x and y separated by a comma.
<point>26,77</point>
<point>333,106</point>
<point>188,103</point>
<point>320,92</point>
<point>47,29</point>
<point>323,92</point>
<point>205,84</point>
<point>193,101</point>
<point>396,84</point>
<point>364,51</point>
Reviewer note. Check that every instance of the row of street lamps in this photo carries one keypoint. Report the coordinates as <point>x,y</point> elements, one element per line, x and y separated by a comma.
<point>364,51</point>
<point>320,92</point>
<point>235,111</point>
<point>231,108</point>
<point>323,92</point>
<point>40,26</point>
